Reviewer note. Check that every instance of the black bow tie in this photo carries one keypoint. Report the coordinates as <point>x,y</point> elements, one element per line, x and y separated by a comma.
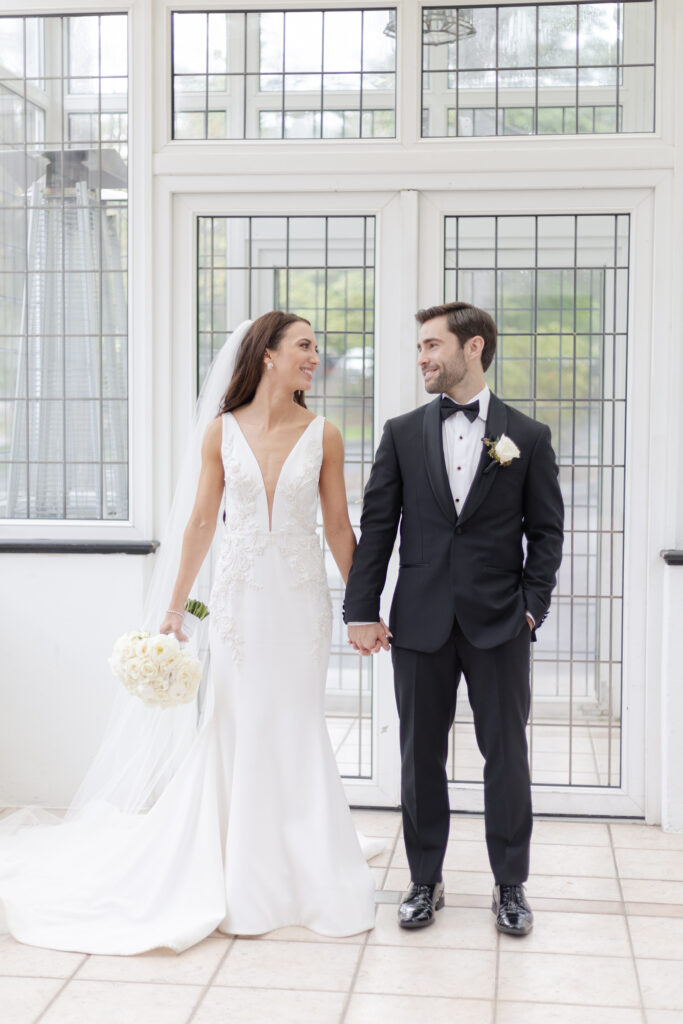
<point>448,407</point>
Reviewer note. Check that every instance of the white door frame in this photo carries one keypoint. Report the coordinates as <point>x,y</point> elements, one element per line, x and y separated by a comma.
<point>394,391</point>
<point>629,798</point>
<point>409,274</point>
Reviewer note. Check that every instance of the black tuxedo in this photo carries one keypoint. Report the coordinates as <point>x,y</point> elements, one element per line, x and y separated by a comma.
<point>463,590</point>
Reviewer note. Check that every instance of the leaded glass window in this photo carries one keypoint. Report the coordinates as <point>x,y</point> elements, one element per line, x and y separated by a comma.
<point>309,74</point>
<point>323,268</point>
<point>557,287</point>
<point>538,69</point>
<point>63,267</point>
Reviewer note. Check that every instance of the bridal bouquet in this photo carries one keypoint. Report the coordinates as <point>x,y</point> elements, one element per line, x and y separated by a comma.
<point>156,668</point>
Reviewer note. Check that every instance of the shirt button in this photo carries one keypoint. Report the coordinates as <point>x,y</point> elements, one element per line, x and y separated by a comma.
<point>459,467</point>
<point>460,438</point>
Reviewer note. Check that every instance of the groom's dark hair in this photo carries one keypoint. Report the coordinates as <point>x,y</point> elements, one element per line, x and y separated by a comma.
<point>465,322</point>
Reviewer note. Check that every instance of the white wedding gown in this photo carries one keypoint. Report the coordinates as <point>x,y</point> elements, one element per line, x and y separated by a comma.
<point>253,832</point>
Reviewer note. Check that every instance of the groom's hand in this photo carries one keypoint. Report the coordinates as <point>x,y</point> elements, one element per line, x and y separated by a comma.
<point>370,638</point>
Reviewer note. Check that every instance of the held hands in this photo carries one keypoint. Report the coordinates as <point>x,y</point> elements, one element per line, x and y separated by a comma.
<point>369,639</point>
<point>172,623</point>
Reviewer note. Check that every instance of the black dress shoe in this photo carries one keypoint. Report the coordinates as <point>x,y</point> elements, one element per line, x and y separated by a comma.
<point>513,913</point>
<point>420,904</point>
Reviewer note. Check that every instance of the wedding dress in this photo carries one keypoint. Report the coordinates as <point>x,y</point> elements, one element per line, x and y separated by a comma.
<point>251,830</point>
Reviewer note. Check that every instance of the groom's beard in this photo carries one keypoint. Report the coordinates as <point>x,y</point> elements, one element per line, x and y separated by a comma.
<point>443,380</point>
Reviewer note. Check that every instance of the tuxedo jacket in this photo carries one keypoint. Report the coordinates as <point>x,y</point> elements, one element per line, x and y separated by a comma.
<point>471,566</point>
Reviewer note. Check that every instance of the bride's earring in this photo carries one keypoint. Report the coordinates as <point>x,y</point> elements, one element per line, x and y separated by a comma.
<point>270,366</point>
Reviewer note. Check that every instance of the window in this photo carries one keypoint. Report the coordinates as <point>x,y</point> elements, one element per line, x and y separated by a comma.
<point>558,289</point>
<point>322,268</point>
<point>322,74</point>
<point>538,69</point>
<point>63,261</point>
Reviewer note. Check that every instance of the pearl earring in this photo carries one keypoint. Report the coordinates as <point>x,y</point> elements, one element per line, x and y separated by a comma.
<point>270,365</point>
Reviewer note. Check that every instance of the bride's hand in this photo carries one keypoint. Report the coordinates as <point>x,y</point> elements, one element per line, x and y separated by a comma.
<point>173,624</point>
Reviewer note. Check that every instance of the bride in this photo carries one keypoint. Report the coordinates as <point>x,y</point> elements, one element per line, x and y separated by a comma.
<point>235,820</point>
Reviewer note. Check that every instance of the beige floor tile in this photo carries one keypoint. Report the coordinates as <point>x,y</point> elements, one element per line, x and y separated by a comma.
<point>451,973</point>
<point>19,960</point>
<point>382,859</point>
<point>661,982</point>
<point>572,859</point>
<point>552,978</point>
<point>477,883</point>
<point>466,827</point>
<point>657,937</point>
<point>565,832</point>
<point>22,999</point>
<point>655,864</point>
<point>193,967</point>
<point>557,1013</point>
<point>569,887</point>
<point>296,933</point>
<point>399,858</point>
<point>454,928</point>
<point>585,934</point>
<point>397,878</point>
<point>374,1009</point>
<point>378,873</point>
<point>111,1002</point>
<point>269,1006</point>
<point>480,883</point>
<point>645,837</point>
<point>466,855</point>
<point>651,891</point>
<point>319,966</point>
<point>643,909</point>
<point>377,823</point>
<point>663,1016</point>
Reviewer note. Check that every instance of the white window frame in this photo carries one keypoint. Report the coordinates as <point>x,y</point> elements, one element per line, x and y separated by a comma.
<point>139,524</point>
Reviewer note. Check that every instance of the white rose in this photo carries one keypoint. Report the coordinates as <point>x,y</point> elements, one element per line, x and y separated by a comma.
<point>186,676</point>
<point>163,649</point>
<point>506,450</point>
<point>146,668</point>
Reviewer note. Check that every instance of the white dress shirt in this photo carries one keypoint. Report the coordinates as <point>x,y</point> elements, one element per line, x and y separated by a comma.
<point>462,447</point>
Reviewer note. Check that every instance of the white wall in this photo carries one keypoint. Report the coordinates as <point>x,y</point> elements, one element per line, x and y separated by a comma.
<point>59,616</point>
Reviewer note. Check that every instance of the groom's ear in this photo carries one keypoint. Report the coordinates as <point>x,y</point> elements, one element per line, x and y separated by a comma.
<point>474,347</point>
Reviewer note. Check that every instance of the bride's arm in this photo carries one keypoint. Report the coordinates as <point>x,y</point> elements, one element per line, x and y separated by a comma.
<point>200,526</point>
<point>338,530</point>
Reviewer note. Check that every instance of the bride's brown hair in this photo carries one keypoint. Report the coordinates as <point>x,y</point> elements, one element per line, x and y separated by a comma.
<point>265,333</point>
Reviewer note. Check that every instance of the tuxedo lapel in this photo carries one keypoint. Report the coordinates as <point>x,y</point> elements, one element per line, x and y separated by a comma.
<point>496,422</point>
<point>434,458</point>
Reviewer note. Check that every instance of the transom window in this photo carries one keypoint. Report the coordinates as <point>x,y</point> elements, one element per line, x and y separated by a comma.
<point>538,69</point>
<point>284,74</point>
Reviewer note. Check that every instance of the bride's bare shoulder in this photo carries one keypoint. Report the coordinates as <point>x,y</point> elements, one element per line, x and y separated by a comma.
<point>213,436</point>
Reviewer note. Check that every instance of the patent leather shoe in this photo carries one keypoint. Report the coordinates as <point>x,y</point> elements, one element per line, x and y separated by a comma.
<point>420,905</point>
<point>513,914</point>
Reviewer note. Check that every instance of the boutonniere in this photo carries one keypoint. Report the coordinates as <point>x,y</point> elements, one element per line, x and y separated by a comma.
<point>502,450</point>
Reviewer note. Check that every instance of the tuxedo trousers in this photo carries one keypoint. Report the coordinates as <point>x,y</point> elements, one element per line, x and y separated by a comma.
<point>498,687</point>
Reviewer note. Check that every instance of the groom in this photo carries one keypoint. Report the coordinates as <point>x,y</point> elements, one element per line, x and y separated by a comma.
<point>468,478</point>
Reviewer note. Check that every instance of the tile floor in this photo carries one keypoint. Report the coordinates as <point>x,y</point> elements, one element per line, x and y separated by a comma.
<point>607,948</point>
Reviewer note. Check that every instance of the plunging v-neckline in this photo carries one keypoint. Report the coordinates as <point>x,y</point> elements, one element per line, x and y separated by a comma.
<point>270,508</point>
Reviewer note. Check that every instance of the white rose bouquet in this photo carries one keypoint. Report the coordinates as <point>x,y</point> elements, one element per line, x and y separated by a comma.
<point>157,669</point>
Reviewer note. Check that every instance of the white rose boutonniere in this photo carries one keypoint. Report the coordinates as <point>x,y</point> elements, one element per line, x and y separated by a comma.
<point>503,449</point>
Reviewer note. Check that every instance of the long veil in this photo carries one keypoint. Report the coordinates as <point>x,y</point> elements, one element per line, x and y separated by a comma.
<point>142,747</point>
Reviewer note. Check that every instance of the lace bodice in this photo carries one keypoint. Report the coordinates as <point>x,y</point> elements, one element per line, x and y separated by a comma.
<point>246,531</point>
